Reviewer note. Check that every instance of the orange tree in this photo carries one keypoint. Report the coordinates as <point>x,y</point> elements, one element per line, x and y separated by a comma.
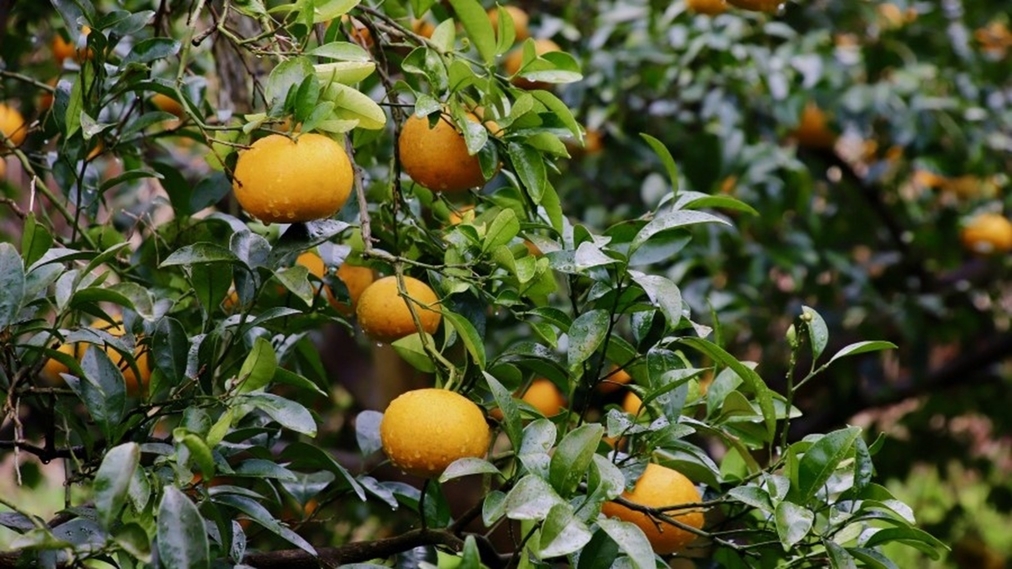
<point>167,194</point>
<point>876,151</point>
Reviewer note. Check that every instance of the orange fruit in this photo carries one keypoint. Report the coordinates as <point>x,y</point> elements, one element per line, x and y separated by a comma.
<point>423,27</point>
<point>988,233</point>
<point>632,403</point>
<point>813,130</point>
<point>356,279</point>
<point>386,317</point>
<point>424,430</point>
<point>544,396</point>
<point>166,103</point>
<point>46,98</point>
<point>3,168</point>
<point>437,157</point>
<point>615,380</point>
<point>661,487</point>
<point>62,49</point>
<point>358,32</point>
<point>521,21</point>
<point>12,125</point>
<point>515,59</point>
<point>135,381</point>
<point>281,180</point>
<point>708,7</point>
<point>758,5</point>
<point>463,213</point>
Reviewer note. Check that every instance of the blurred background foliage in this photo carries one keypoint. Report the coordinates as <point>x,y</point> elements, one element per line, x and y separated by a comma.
<point>867,134</point>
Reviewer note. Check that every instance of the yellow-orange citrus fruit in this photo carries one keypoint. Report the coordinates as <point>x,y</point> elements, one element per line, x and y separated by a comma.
<point>544,396</point>
<point>437,157</point>
<point>995,39</point>
<point>46,98</point>
<point>425,430</point>
<point>615,380</point>
<point>632,403</point>
<point>166,103</point>
<point>358,32</point>
<point>12,125</point>
<point>423,27</point>
<point>758,5</point>
<point>521,21</point>
<point>62,49</point>
<point>708,7</point>
<point>461,214</point>
<point>3,168</point>
<point>135,381</point>
<point>969,186</point>
<point>515,59</point>
<point>988,233</point>
<point>385,316</point>
<point>813,130</point>
<point>661,487</point>
<point>356,279</point>
<point>281,180</point>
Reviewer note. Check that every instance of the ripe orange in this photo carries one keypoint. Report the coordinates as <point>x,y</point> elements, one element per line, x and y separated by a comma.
<point>437,157</point>
<point>424,430</point>
<point>356,279</point>
<point>632,403</point>
<point>358,33</point>
<point>521,21</point>
<point>515,59</point>
<point>544,396</point>
<point>62,49</point>
<point>708,7</point>
<point>813,130</point>
<point>660,487</point>
<point>988,233</point>
<point>12,125</point>
<point>281,180</point>
<point>166,103</point>
<point>135,381</point>
<point>616,379</point>
<point>386,317</point>
<point>463,213</point>
<point>758,5</point>
<point>423,27</point>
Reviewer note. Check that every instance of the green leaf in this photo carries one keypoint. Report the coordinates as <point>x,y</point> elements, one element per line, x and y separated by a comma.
<point>287,75</point>
<point>258,367</point>
<point>586,335</point>
<point>793,523</point>
<point>112,480</point>
<point>35,242</point>
<point>529,165</point>
<point>572,458</point>
<point>752,380</point>
<point>200,253</point>
<point>210,284</point>
<point>467,466</point>
<point>670,220</point>
<point>102,389</point>
<point>501,230</point>
<point>752,496</point>
<point>872,558</point>
<point>182,540</point>
<point>511,414</point>
<point>367,424</point>
<point>665,155</point>
<point>631,540</point>
<point>343,52</point>
<point>198,450</point>
<point>259,514</point>
<point>531,499</point>
<point>839,558</point>
<point>663,293</point>
<point>12,283</point>
<point>151,49</point>
<point>477,26</point>
<point>818,332</point>
<point>303,455</point>
<point>326,10</point>
<point>539,438</point>
<point>412,350</point>
<point>914,537</point>
<point>469,335</point>
<point>862,348</point>
<point>562,533</point>
<point>287,413</point>
<point>821,460</point>
<point>134,540</point>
